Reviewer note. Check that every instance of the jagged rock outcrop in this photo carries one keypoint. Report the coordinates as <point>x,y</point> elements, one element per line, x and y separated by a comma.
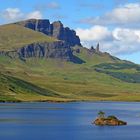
<point>57,50</point>
<point>47,50</point>
<point>56,29</point>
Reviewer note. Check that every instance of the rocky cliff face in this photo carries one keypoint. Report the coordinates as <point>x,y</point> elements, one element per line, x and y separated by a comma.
<point>57,50</point>
<point>56,29</point>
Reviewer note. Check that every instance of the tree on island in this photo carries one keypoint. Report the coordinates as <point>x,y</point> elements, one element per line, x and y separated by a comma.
<point>101,114</point>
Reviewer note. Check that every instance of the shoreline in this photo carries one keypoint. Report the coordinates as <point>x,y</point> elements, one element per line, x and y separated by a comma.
<point>69,101</point>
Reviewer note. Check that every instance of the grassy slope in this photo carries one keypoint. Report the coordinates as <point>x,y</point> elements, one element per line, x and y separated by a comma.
<point>70,81</point>
<point>41,79</point>
<point>16,89</point>
<point>14,36</point>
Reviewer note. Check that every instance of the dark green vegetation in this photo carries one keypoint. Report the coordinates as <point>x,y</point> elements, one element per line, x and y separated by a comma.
<point>121,71</point>
<point>100,77</point>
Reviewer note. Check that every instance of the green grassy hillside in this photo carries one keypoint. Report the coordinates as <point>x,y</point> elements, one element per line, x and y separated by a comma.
<point>15,89</point>
<point>101,77</point>
<point>66,81</point>
<point>14,36</point>
<point>95,58</point>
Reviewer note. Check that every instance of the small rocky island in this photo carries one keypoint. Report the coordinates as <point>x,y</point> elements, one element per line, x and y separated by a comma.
<point>110,120</point>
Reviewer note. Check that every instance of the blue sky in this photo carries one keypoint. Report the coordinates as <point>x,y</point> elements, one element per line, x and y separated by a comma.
<point>113,23</point>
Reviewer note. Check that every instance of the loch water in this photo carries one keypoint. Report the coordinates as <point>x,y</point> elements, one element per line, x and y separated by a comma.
<point>67,121</point>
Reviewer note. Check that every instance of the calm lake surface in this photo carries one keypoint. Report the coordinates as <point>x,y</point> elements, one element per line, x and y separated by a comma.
<point>67,121</point>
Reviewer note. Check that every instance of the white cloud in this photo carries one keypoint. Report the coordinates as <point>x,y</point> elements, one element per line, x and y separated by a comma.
<point>94,33</point>
<point>14,14</point>
<point>11,14</point>
<point>34,15</point>
<point>122,15</point>
<point>126,40</point>
<point>116,41</point>
<point>127,35</point>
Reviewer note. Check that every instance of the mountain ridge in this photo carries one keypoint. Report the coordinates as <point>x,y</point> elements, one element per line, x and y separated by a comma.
<point>38,67</point>
<point>28,42</point>
<point>54,29</point>
<point>25,43</point>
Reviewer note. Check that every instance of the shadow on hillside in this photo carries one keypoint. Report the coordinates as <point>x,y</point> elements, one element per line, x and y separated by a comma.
<point>77,60</point>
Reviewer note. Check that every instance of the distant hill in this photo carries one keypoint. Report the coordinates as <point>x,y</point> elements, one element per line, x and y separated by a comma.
<point>41,63</point>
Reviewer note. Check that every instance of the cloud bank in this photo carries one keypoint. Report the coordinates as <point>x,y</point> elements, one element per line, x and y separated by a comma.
<point>128,14</point>
<point>116,41</point>
<point>117,31</point>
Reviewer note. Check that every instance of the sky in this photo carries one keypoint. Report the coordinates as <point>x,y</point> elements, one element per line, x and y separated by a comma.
<point>115,24</point>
